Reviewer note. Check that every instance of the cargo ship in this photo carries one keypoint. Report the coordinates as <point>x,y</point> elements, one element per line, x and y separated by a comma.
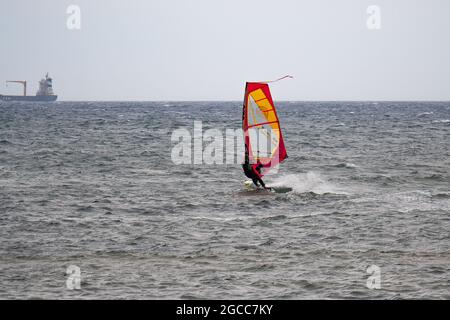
<point>44,94</point>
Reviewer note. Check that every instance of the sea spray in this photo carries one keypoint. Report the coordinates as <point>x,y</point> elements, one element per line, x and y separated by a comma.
<point>307,182</point>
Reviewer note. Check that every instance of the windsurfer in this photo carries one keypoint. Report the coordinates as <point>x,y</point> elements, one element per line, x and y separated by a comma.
<point>261,126</point>
<point>253,171</point>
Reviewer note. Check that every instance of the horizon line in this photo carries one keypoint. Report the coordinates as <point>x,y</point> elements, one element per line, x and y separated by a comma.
<point>240,101</point>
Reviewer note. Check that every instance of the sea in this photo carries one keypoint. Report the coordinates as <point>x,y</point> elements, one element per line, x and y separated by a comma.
<point>93,205</point>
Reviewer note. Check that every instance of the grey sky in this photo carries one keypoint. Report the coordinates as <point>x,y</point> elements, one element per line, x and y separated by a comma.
<point>207,49</point>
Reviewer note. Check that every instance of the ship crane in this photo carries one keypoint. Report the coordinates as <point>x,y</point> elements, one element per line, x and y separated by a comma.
<point>24,83</point>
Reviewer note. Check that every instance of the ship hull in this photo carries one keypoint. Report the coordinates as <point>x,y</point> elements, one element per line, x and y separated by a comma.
<point>29,98</point>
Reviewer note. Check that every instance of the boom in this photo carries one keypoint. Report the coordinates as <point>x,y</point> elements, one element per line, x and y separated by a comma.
<point>24,83</point>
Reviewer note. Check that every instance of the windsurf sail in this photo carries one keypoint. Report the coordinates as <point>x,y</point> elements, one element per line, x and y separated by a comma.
<point>262,132</point>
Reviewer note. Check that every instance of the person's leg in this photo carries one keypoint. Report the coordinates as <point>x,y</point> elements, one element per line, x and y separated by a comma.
<point>255,182</point>
<point>262,183</point>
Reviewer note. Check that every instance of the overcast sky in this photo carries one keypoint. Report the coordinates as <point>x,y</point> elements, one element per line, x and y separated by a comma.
<point>207,49</point>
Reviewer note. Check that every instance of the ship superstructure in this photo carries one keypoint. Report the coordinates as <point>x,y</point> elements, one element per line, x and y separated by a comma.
<point>45,87</point>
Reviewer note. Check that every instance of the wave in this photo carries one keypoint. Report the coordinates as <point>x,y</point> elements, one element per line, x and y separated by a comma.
<point>346,165</point>
<point>434,176</point>
<point>424,114</point>
<point>6,142</point>
<point>442,121</point>
<point>306,183</point>
<point>441,195</point>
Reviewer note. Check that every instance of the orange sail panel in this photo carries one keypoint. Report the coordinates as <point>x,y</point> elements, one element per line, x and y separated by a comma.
<point>262,132</point>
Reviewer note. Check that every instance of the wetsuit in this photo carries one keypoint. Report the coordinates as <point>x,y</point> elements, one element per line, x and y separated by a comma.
<point>253,171</point>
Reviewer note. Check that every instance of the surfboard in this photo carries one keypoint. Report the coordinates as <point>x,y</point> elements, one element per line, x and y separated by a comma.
<point>281,189</point>
<point>249,185</point>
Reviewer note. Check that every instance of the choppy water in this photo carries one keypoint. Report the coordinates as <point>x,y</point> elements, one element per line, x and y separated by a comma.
<point>93,185</point>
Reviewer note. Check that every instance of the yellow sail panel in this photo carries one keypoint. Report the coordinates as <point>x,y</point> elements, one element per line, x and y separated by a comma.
<point>263,127</point>
<point>258,95</point>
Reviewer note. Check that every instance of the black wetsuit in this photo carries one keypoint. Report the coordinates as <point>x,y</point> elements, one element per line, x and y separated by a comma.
<point>253,172</point>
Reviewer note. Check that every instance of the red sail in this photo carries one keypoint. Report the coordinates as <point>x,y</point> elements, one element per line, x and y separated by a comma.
<point>262,131</point>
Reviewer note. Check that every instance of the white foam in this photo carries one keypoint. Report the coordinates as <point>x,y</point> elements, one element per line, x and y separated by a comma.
<point>347,165</point>
<point>350,165</point>
<point>306,182</point>
<point>425,114</point>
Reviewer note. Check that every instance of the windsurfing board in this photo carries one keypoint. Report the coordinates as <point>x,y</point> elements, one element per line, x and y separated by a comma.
<point>249,185</point>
